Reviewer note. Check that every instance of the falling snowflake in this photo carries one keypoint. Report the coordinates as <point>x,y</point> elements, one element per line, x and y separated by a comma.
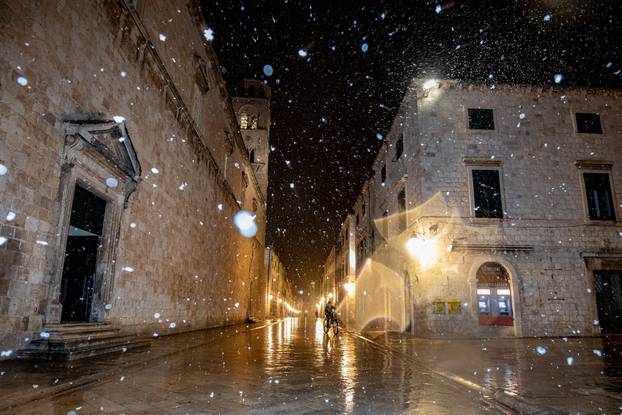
<point>22,81</point>
<point>302,53</point>
<point>208,34</point>
<point>162,38</point>
<point>541,350</point>
<point>111,182</point>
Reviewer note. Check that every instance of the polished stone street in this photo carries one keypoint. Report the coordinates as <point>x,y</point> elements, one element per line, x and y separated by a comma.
<point>286,367</point>
<point>291,366</point>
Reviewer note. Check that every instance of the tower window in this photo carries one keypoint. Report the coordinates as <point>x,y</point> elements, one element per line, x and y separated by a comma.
<point>588,123</point>
<point>481,119</point>
<point>251,156</point>
<point>248,121</point>
<point>383,174</point>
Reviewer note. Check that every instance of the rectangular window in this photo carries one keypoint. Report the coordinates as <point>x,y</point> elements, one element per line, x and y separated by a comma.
<point>438,307</point>
<point>487,194</point>
<point>385,224</point>
<point>588,123</point>
<point>383,174</point>
<point>481,119</point>
<point>399,147</point>
<point>454,307</point>
<point>401,204</point>
<point>599,198</point>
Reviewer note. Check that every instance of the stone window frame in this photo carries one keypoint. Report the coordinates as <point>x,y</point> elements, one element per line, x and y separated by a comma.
<point>88,163</point>
<point>596,166</point>
<point>485,165</point>
<point>582,110</point>
<point>476,105</point>
<point>492,112</point>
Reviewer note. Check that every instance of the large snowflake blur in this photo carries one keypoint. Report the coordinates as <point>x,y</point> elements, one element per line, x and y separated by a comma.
<point>340,69</point>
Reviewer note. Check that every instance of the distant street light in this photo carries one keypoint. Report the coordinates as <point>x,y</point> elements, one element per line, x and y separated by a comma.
<point>349,287</point>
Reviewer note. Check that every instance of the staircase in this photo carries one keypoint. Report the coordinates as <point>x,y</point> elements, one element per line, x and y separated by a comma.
<point>75,341</point>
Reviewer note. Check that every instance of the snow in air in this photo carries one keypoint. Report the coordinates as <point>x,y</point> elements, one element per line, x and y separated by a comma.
<point>162,37</point>
<point>302,53</point>
<point>208,34</point>
<point>3,169</point>
<point>364,47</point>
<point>268,70</point>
<point>10,216</point>
<point>118,119</point>
<point>245,222</point>
<point>3,240</point>
<point>127,269</point>
<point>155,170</point>
<point>558,78</point>
<point>41,242</point>
<point>22,81</point>
<point>541,350</point>
<point>111,182</point>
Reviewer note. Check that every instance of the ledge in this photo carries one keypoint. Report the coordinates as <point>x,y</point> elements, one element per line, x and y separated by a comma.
<point>465,246</point>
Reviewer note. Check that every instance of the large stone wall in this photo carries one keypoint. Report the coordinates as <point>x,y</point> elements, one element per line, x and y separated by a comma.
<point>190,264</point>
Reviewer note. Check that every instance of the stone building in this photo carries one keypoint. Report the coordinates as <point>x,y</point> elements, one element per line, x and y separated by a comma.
<point>280,301</point>
<point>494,210</point>
<point>121,168</point>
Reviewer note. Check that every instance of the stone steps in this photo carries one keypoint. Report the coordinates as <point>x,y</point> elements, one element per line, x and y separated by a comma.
<point>66,342</point>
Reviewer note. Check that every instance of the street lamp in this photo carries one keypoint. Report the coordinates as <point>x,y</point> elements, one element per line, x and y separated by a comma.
<point>429,84</point>
<point>349,287</point>
<point>422,248</point>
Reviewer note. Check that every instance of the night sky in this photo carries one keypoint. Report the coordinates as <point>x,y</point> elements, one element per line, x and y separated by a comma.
<point>328,106</point>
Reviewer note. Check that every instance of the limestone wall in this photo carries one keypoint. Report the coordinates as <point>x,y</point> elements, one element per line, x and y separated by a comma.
<point>190,264</point>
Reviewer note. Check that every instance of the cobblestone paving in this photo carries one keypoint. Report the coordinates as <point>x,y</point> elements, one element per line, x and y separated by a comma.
<point>287,367</point>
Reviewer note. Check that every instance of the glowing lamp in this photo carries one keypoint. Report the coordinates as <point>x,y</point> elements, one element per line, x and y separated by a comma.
<point>349,287</point>
<point>423,249</point>
<point>429,84</point>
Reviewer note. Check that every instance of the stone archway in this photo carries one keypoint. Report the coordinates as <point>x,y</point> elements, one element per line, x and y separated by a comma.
<point>497,275</point>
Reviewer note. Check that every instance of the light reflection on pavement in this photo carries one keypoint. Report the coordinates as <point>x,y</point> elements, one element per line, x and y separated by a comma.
<point>287,367</point>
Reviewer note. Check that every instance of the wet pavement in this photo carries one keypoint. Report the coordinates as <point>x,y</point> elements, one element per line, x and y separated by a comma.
<point>573,375</point>
<point>286,367</point>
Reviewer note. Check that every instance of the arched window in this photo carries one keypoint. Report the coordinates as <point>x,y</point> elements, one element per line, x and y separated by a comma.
<point>251,156</point>
<point>494,295</point>
<point>249,118</point>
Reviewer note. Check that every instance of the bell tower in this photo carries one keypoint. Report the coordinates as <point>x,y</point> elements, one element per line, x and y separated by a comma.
<point>252,108</point>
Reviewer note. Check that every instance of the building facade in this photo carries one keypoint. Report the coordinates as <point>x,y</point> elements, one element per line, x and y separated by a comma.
<point>496,212</point>
<point>280,296</point>
<point>122,166</point>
